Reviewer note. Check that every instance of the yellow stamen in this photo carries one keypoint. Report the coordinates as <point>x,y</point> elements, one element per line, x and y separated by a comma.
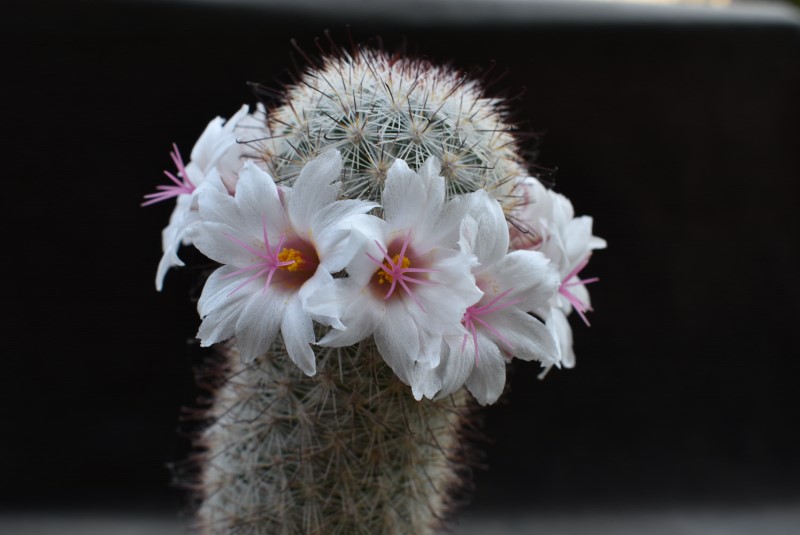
<point>386,277</point>
<point>291,255</point>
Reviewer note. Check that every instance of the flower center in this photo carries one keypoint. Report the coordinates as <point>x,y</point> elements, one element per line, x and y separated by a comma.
<point>397,271</point>
<point>291,259</point>
<point>289,267</point>
<point>385,273</point>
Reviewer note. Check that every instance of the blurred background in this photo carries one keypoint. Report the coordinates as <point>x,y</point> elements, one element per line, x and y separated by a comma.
<point>673,124</point>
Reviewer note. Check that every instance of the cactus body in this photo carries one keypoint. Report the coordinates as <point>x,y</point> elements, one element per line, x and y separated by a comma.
<point>349,450</point>
<point>375,109</point>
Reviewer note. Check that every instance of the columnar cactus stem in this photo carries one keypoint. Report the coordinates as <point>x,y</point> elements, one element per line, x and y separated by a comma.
<point>346,451</point>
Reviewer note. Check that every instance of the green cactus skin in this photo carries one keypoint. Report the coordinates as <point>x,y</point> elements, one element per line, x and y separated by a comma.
<point>350,451</point>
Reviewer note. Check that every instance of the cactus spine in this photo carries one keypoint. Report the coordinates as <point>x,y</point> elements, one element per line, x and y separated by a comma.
<point>349,450</point>
<point>374,109</point>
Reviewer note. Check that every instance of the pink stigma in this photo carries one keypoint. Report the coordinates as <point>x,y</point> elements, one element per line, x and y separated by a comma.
<point>398,273</point>
<point>268,260</point>
<point>580,307</point>
<point>472,318</point>
<point>182,186</point>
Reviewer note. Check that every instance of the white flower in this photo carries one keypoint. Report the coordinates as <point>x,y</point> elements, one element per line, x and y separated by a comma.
<point>411,285</point>
<point>278,248</point>
<point>545,221</point>
<point>216,143</point>
<point>499,325</point>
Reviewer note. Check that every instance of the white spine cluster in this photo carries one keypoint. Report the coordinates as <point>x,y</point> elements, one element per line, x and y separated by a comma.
<point>347,451</point>
<point>375,109</point>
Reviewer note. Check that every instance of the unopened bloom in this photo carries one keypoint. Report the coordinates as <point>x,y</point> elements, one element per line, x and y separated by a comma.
<point>545,221</point>
<point>500,325</point>
<point>278,248</point>
<point>411,285</point>
<point>216,143</point>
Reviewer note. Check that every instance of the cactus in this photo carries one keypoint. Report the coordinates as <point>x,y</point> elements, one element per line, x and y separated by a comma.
<point>403,285</point>
<point>349,450</point>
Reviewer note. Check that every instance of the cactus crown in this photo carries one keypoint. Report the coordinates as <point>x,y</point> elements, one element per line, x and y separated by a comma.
<point>374,108</point>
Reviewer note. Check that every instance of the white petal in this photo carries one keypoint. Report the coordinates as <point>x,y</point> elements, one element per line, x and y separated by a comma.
<point>430,347</point>
<point>411,200</point>
<point>561,210</point>
<point>360,312</point>
<point>397,339</point>
<point>219,242</point>
<point>488,241</point>
<point>528,274</point>
<point>527,337</point>
<point>177,232</point>
<point>488,377</point>
<point>443,226</point>
<point>446,300</point>
<point>218,291</point>
<point>220,325</point>
<point>468,234</point>
<point>258,202</point>
<point>168,260</point>
<point>425,382</point>
<point>247,128</point>
<point>319,298</point>
<point>554,249</point>
<point>298,333</point>
<point>559,328</point>
<point>315,188</point>
<point>216,140</point>
<point>578,239</point>
<point>456,365</point>
<point>435,197</point>
<point>220,307</point>
<point>205,144</point>
<point>332,228</point>
<point>216,204</point>
<point>424,379</point>
<point>258,323</point>
<point>364,240</point>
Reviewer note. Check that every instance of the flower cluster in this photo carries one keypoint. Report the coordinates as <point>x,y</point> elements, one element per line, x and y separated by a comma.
<point>545,221</point>
<point>216,155</point>
<point>446,290</point>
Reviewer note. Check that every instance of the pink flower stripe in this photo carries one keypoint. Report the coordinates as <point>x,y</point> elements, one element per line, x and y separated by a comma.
<point>182,186</point>
<point>473,316</point>
<point>269,262</point>
<point>398,273</point>
<point>580,307</point>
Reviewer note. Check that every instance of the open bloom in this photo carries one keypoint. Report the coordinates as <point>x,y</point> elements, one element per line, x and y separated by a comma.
<point>545,221</point>
<point>278,248</point>
<point>500,325</point>
<point>216,143</point>
<point>411,284</point>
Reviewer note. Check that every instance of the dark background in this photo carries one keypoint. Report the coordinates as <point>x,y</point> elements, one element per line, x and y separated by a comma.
<point>676,129</point>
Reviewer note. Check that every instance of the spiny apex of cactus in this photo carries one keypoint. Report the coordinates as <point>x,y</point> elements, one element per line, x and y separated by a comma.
<point>375,108</point>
